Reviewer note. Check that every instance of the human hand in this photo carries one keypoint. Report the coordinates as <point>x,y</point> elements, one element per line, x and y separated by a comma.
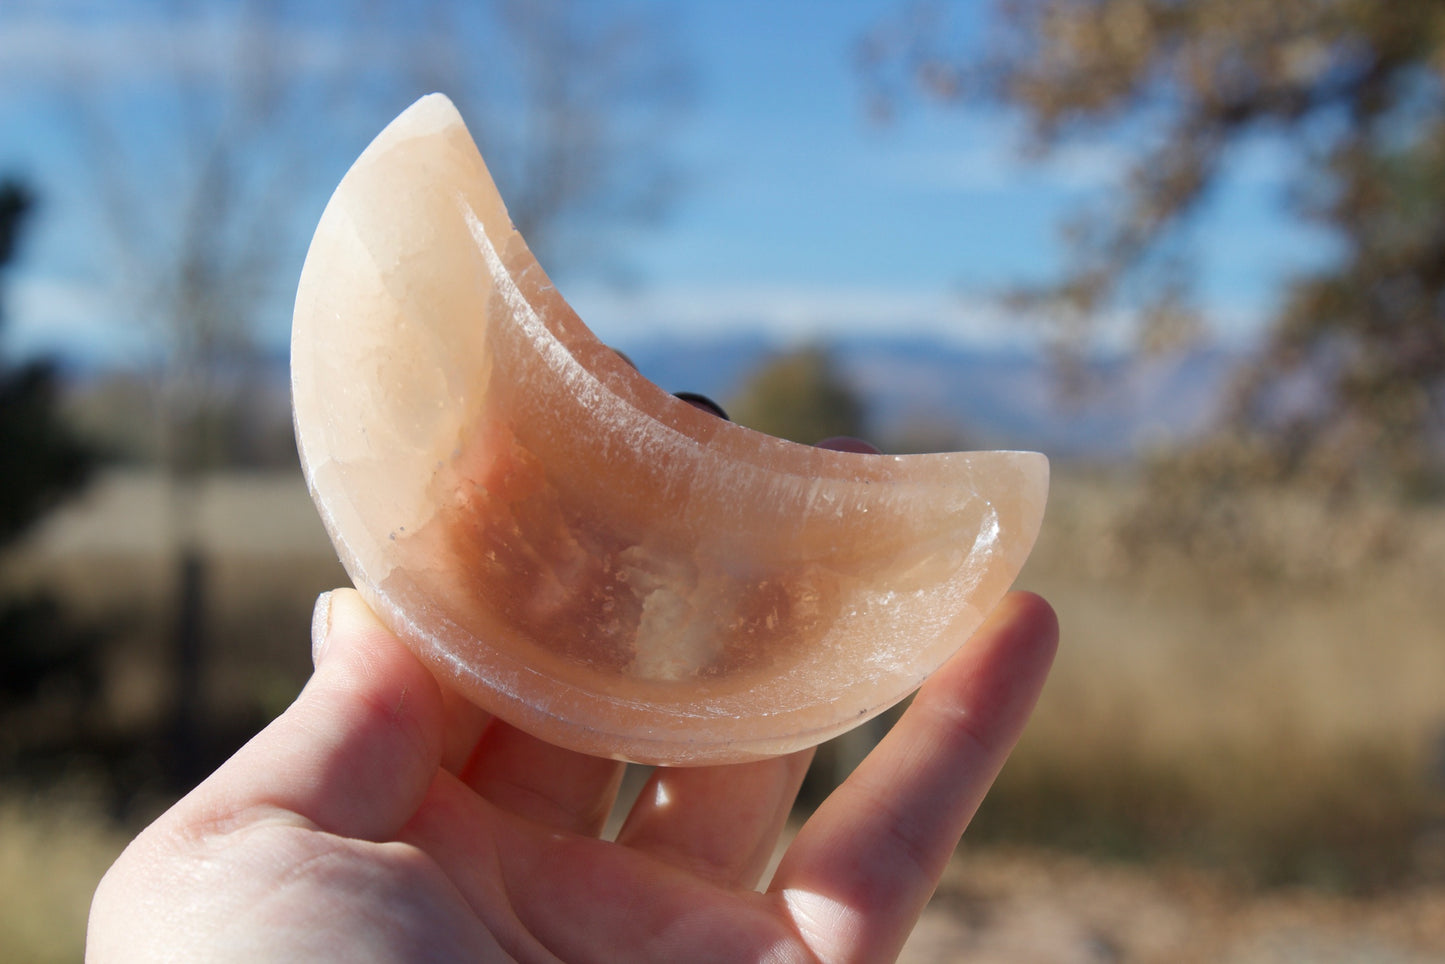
<point>380,818</point>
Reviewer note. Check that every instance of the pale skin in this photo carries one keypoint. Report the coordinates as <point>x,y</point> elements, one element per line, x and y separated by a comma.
<point>381,819</point>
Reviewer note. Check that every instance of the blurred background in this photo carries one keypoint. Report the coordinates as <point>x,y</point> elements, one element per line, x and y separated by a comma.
<point>1194,251</point>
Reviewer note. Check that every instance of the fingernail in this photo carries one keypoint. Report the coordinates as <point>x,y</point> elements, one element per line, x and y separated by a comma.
<point>320,627</point>
<point>847,443</point>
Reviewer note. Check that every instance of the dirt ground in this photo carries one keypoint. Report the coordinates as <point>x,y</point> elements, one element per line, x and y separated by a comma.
<point>1010,906</point>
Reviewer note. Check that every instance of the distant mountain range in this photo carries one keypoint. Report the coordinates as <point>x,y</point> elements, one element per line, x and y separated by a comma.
<point>921,389</point>
<point>920,394</point>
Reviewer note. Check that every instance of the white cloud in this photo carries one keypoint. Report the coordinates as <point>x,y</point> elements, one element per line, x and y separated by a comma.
<point>794,313</point>
<point>54,44</point>
<point>997,163</point>
<point>993,160</point>
<point>76,319</point>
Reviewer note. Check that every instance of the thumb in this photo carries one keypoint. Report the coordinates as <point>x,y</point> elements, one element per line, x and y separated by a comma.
<point>356,752</point>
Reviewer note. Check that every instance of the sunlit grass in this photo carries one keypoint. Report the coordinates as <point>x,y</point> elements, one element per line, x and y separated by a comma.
<point>52,854</point>
<point>1285,732</point>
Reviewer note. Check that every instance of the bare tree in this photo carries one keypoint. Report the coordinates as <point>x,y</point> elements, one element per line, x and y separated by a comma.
<point>569,103</point>
<point>1354,90</point>
<point>197,170</point>
<point>212,155</point>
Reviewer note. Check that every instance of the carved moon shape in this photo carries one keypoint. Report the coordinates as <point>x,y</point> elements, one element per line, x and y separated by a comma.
<point>577,551</point>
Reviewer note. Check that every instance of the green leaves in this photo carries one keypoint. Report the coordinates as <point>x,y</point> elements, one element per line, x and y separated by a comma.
<point>801,396</point>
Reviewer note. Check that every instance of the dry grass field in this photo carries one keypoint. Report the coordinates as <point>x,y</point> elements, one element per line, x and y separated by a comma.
<point>1287,730</point>
<point>1246,770</point>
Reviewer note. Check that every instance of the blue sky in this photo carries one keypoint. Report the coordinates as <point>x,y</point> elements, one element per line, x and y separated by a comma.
<point>797,216</point>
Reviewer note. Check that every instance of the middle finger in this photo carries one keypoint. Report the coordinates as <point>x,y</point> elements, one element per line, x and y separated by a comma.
<point>558,788</point>
<point>721,822</point>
